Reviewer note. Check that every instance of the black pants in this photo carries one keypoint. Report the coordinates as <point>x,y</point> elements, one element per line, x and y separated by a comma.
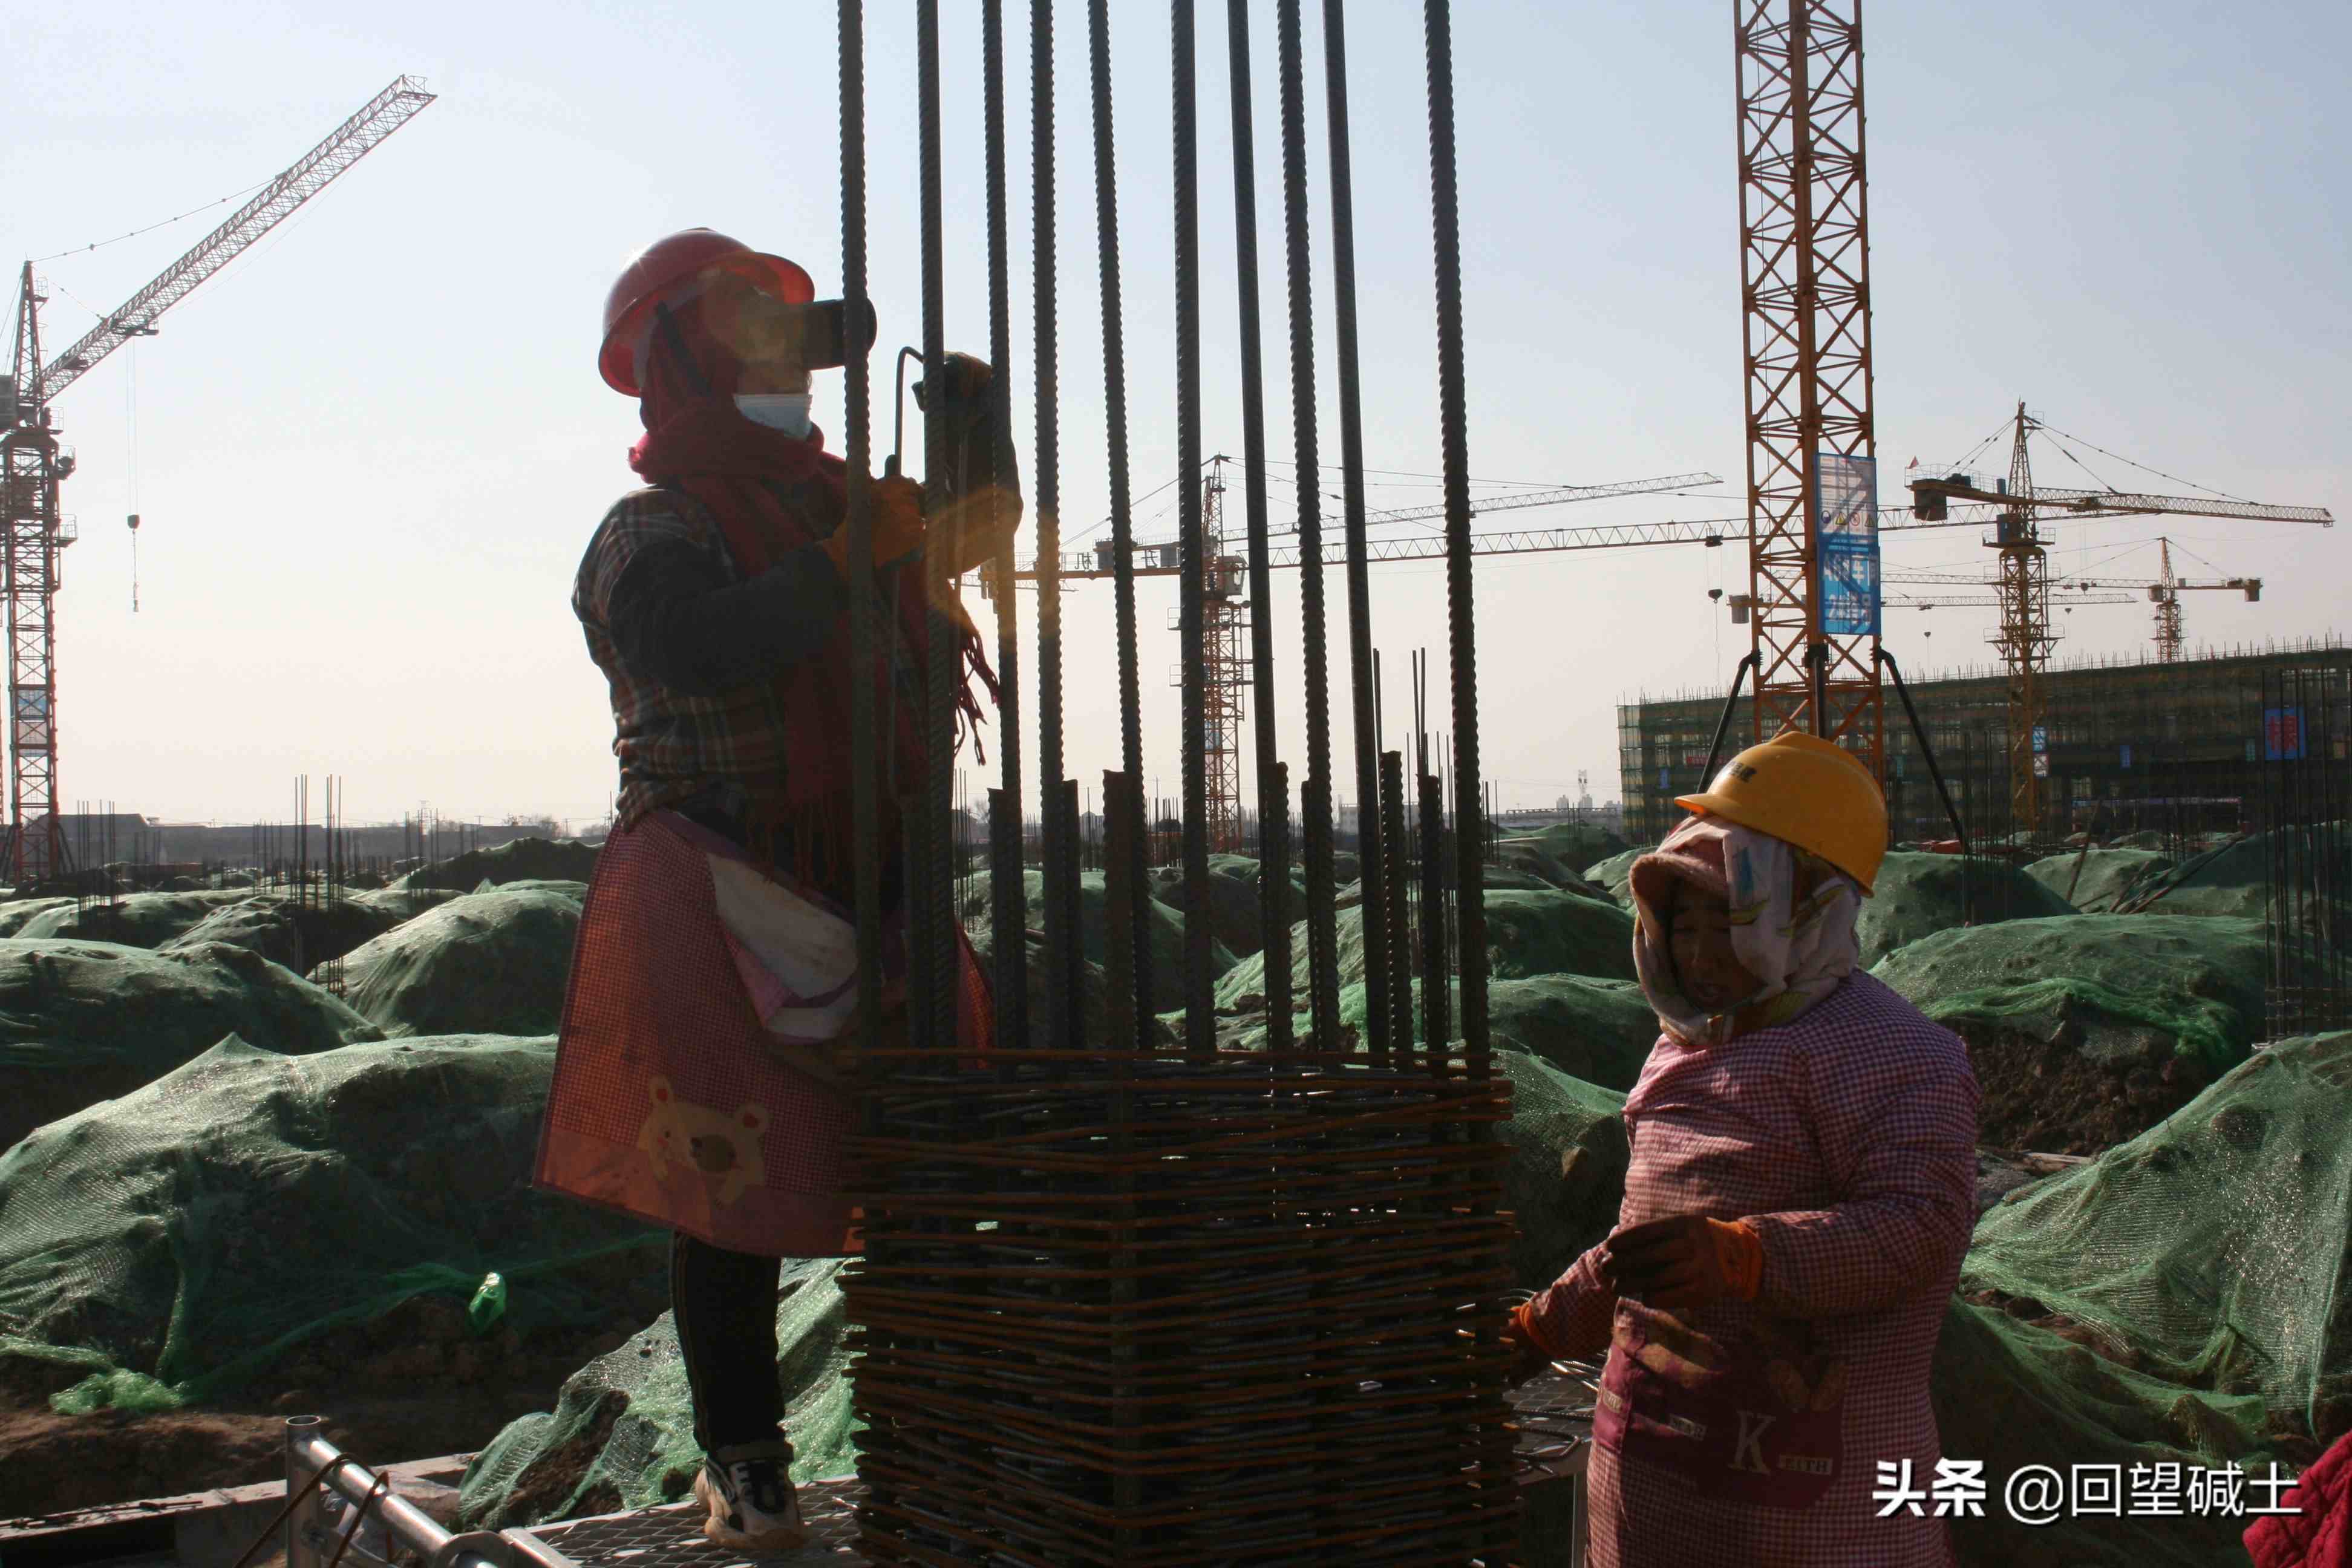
<point>724,1304</point>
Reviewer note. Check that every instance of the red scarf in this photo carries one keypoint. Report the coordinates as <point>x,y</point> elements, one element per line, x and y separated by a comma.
<point>697,442</point>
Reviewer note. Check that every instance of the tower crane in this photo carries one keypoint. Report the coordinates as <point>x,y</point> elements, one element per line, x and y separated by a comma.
<point>35,464</point>
<point>2025,637</point>
<point>2164,592</point>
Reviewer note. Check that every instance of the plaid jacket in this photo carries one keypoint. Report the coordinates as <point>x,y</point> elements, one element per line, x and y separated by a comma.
<point>671,744</point>
<point>1847,1139</point>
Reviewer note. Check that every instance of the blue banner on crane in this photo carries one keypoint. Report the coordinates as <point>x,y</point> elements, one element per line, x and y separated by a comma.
<point>1845,511</point>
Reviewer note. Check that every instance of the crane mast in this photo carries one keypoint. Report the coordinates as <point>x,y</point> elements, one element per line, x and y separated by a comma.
<point>34,464</point>
<point>1804,247</point>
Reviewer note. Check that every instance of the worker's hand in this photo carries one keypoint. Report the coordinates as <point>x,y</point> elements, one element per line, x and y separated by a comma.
<point>897,526</point>
<point>1528,1357</point>
<point>981,481</point>
<point>964,392</point>
<point>1684,1261</point>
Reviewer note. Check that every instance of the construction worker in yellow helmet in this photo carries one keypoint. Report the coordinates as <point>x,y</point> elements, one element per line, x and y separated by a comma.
<point>1801,1191</point>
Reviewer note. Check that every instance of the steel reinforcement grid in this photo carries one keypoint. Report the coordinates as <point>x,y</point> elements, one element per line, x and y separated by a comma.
<point>1130,1295</point>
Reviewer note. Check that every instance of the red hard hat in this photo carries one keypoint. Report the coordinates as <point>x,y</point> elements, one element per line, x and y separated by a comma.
<point>662,266</point>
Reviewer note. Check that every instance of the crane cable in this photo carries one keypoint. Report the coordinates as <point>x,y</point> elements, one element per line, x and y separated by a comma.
<point>130,444</point>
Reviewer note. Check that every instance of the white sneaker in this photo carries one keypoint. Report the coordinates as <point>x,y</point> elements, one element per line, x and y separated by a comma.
<point>749,1491</point>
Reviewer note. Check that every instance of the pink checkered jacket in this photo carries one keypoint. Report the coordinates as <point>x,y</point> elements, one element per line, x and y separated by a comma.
<point>1846,1138</point>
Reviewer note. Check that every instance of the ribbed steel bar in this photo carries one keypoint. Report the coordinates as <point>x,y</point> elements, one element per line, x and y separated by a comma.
<point>1012,946</point>
<point>1273,893</point>
<point>1392,901</point>
<point>1379,968</point>
<point>1274,869</point>
<point>1059,859</point>
<point>1122,529</point>
<point>1462,639</point>
<point>931,866</point>
<point>857,421</point>
<point>1200,1003</point>
<point>1315,801</point>
<point>1436,977</point>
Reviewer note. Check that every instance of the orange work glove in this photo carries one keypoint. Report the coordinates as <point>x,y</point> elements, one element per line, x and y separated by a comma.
<point>897,526</point>
<point>1686,1260</point>
<point>1528,1356</point>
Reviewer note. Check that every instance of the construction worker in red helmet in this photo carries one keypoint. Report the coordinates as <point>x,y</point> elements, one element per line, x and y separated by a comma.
<point>1799,1196</point>
<point>700,1078</point>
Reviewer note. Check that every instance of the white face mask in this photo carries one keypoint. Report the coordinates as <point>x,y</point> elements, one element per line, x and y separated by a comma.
<point>784,411</point>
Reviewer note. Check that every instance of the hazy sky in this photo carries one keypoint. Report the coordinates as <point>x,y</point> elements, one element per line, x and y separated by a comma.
<point>369,454</point>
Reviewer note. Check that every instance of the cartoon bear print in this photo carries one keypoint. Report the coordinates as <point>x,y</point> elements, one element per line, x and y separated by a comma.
<point>719,1143</point>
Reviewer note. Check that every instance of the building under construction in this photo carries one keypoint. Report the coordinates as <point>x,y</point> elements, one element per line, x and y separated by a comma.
<point>2129,745</point>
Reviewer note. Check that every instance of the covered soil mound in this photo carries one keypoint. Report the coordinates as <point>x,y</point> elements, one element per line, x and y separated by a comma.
<point>1543,931</point>
<point>404,904</point>
<point>81,1022</point>
<point>1919,895</point>
<point>2100,878</point>
<point>137,919</point>
<point>1557,854</point>
<point>622,1433</point>
<point>18,913</point>
<point>177,1241</point>
<point>1094,931</point>
<point>1599,1031</point>
<point>1233,898</point>
<point>2231,879</point>
<point>518,860</point>
<point>487,963</point>
<point>2213,1251</point>
<point>1094,996</point>
<point>1616,874</point>
<point>1566,1172</point>
<point>2087,1029</point>
<point>2012,1395</point>
<point>290,932</point>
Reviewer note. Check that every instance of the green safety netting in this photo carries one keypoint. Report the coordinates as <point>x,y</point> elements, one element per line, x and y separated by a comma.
<point>2087,1029</point>
<point>2009,1395</point>
<point>136,919</point>
<point>2098,879</point>
<point>181,1238</point>
<point>1545,931</point>
<point>1616,874</point>
<point>622,1433</point>
<point>1094,996</point>
<point>1557,854</point>
<point>297,932</point>
<point>1566,1175</point>
<point>404,904</point>
<point>1917,895</point>
<point>2232,878</point>
<point>86,1021</point>
<point>1232,899</point>
<point>18,913</point>
<point>2214,1250</point>
<point>1094,931</point>
<point>1599,1031</point>
<point>491,962</point>
<point>518,860</point>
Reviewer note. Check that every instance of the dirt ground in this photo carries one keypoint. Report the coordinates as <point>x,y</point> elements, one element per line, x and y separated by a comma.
<point>410,1389</point>
<point>2048,1096</point>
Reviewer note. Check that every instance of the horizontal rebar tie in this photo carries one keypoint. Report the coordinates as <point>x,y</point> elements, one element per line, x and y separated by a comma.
<point>1121,1308</point>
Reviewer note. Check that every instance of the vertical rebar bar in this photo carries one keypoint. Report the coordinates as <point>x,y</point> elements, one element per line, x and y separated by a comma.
<point>1058,852</point>
<point>933,940</point>
<point>1392,881</point>
<point>857,457</point>
<point>1274,868</point>
<point>1461,612</point>
<point>1130,721</point>
<point>1273,894</point>
<point>1199,1005</point>
<point>1315,796</point>
<point>1012,947</point>
<point>1378,966</point>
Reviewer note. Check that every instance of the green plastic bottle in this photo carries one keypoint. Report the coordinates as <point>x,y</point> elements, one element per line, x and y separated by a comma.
<point>488,1305</point>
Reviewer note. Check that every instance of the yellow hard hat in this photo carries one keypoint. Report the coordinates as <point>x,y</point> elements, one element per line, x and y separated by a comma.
<point>1806,792</point>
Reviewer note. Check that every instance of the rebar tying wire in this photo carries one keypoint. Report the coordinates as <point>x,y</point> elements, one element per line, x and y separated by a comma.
<point>856,419</point>
<point>1200,1004</point>
<point>1130,719</point>
<point>1359,589</point>
<point>1060,867</point>
<point>1470,828</point>
<point>936,969</point>
<point>1315,797</point>
<point>1010,933</point>
<point>1274,869</point>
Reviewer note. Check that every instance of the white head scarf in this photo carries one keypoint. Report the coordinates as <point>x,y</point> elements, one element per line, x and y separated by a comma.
<point>1792,924</point>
